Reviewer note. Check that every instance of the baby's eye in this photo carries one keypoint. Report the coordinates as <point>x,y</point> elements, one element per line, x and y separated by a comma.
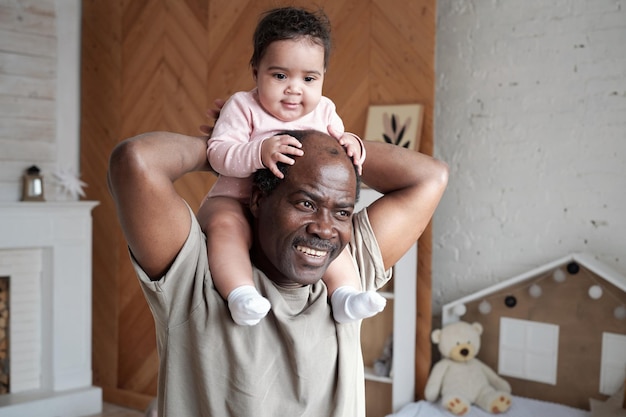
<point>309,79</point>
<point>280,76</point>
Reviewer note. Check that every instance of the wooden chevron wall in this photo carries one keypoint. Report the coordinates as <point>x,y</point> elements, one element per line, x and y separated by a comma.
<point>158,65</point>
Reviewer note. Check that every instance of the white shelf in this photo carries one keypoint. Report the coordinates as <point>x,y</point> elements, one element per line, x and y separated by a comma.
<point>370,375</point>
<point>402,380</point>
<point>388,295</point>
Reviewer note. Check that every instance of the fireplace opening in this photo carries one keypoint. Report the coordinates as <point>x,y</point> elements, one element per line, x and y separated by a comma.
<point>21,320</point>
<point>5,365</point>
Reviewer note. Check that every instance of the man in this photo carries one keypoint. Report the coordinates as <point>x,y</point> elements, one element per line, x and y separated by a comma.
<point>298,361</point>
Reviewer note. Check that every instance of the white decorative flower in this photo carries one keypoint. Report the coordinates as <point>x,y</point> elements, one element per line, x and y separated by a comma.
<point>69,182</point>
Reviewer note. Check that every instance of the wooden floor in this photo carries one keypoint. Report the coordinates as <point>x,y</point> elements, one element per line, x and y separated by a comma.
<point>110,410</point>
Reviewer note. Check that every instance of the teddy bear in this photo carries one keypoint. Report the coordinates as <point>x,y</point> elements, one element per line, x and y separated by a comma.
<point>460,378</point>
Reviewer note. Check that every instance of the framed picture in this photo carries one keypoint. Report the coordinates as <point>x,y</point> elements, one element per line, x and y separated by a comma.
<point>398,124</point>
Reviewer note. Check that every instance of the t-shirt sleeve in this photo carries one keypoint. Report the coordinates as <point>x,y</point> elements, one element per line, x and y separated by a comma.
<point>366,254</point>
<point>180,290</point>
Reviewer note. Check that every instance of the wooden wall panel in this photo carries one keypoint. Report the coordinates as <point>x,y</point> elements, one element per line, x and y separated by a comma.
<point>229,46</point>
<point>147,62</point>
<point>347,77</point>
<point>158,65</point>
<point>100,124</point>
<point>402,50</point>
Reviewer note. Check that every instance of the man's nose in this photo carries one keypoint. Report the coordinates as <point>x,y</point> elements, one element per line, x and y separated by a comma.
<point>322,226</point>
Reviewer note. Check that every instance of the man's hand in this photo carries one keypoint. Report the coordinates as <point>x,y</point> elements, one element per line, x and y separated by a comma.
<point>277,149</point>
<point>212,114</point>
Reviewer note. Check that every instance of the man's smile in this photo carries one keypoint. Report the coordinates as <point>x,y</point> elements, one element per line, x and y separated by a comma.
<point>312,252</point>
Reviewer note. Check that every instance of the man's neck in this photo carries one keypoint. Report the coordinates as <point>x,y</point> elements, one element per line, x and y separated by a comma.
<point>261,262</point>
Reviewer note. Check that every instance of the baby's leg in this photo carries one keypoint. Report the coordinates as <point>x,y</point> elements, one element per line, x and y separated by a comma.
<point>344,288</point>
<point>224,221</point>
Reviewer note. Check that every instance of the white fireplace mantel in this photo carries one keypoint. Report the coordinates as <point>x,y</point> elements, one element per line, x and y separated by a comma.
<point>63,230</point>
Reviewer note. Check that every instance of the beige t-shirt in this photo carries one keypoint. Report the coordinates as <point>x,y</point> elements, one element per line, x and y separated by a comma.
<point>296,362</point>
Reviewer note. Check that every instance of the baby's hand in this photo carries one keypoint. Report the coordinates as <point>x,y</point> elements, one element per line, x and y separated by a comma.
<point>276,149</point>
<point>353,146</point>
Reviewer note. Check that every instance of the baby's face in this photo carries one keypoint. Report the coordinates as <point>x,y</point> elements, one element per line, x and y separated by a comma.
<point>290,77</point>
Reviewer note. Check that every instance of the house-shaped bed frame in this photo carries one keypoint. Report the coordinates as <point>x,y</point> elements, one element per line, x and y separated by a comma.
<point>556,333</point>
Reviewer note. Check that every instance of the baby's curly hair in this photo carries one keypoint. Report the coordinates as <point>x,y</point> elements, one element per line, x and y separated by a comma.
<point>290,23</point>
<point>267,182</point>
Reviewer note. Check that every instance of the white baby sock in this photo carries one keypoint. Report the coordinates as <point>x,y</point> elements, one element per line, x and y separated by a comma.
<point>247,306</point>
<point>349,304</point>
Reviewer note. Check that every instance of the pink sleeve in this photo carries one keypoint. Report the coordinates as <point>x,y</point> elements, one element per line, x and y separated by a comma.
<point>230,150</point>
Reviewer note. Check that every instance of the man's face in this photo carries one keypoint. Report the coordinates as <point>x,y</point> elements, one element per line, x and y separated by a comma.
<point>306,222</point>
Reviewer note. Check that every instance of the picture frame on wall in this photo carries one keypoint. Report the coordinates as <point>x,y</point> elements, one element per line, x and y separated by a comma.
<point>397,124</point>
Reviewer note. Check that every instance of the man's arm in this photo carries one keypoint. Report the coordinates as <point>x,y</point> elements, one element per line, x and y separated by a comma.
<point>154,218</point>
<point>412,184</point>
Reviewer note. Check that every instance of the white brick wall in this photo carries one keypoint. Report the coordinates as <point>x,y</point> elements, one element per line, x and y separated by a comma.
<point>531,118</point>
<point>39,91</point>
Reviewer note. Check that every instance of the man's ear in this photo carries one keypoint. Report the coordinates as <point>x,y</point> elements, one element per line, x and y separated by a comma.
<point>255,198</point>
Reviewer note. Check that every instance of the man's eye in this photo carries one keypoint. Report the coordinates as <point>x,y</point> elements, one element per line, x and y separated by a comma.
<point>344,213</point>
<point>306,205</point>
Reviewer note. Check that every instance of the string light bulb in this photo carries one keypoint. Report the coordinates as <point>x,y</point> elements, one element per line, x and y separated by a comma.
<point>535,291</point>
<point>558,275</point>
<point>460,310</point>
<point>595,292</point>
<point>484,307</point>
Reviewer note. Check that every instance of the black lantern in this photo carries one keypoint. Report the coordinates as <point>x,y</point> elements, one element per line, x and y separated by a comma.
<point>32,185</point>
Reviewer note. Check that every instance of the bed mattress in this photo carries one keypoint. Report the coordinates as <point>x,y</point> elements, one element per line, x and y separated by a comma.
<point>520,407</point>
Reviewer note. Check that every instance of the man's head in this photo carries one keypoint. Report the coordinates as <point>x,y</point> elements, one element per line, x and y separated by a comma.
<point>302,222</point>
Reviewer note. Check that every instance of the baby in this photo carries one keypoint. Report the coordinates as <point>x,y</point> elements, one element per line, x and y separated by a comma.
<point>291,51</point>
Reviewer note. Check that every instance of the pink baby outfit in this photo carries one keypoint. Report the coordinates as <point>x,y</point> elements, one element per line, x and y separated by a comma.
<point>234,149</point>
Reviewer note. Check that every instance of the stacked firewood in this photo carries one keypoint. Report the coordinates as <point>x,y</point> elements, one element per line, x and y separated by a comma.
<point>4,335</point>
